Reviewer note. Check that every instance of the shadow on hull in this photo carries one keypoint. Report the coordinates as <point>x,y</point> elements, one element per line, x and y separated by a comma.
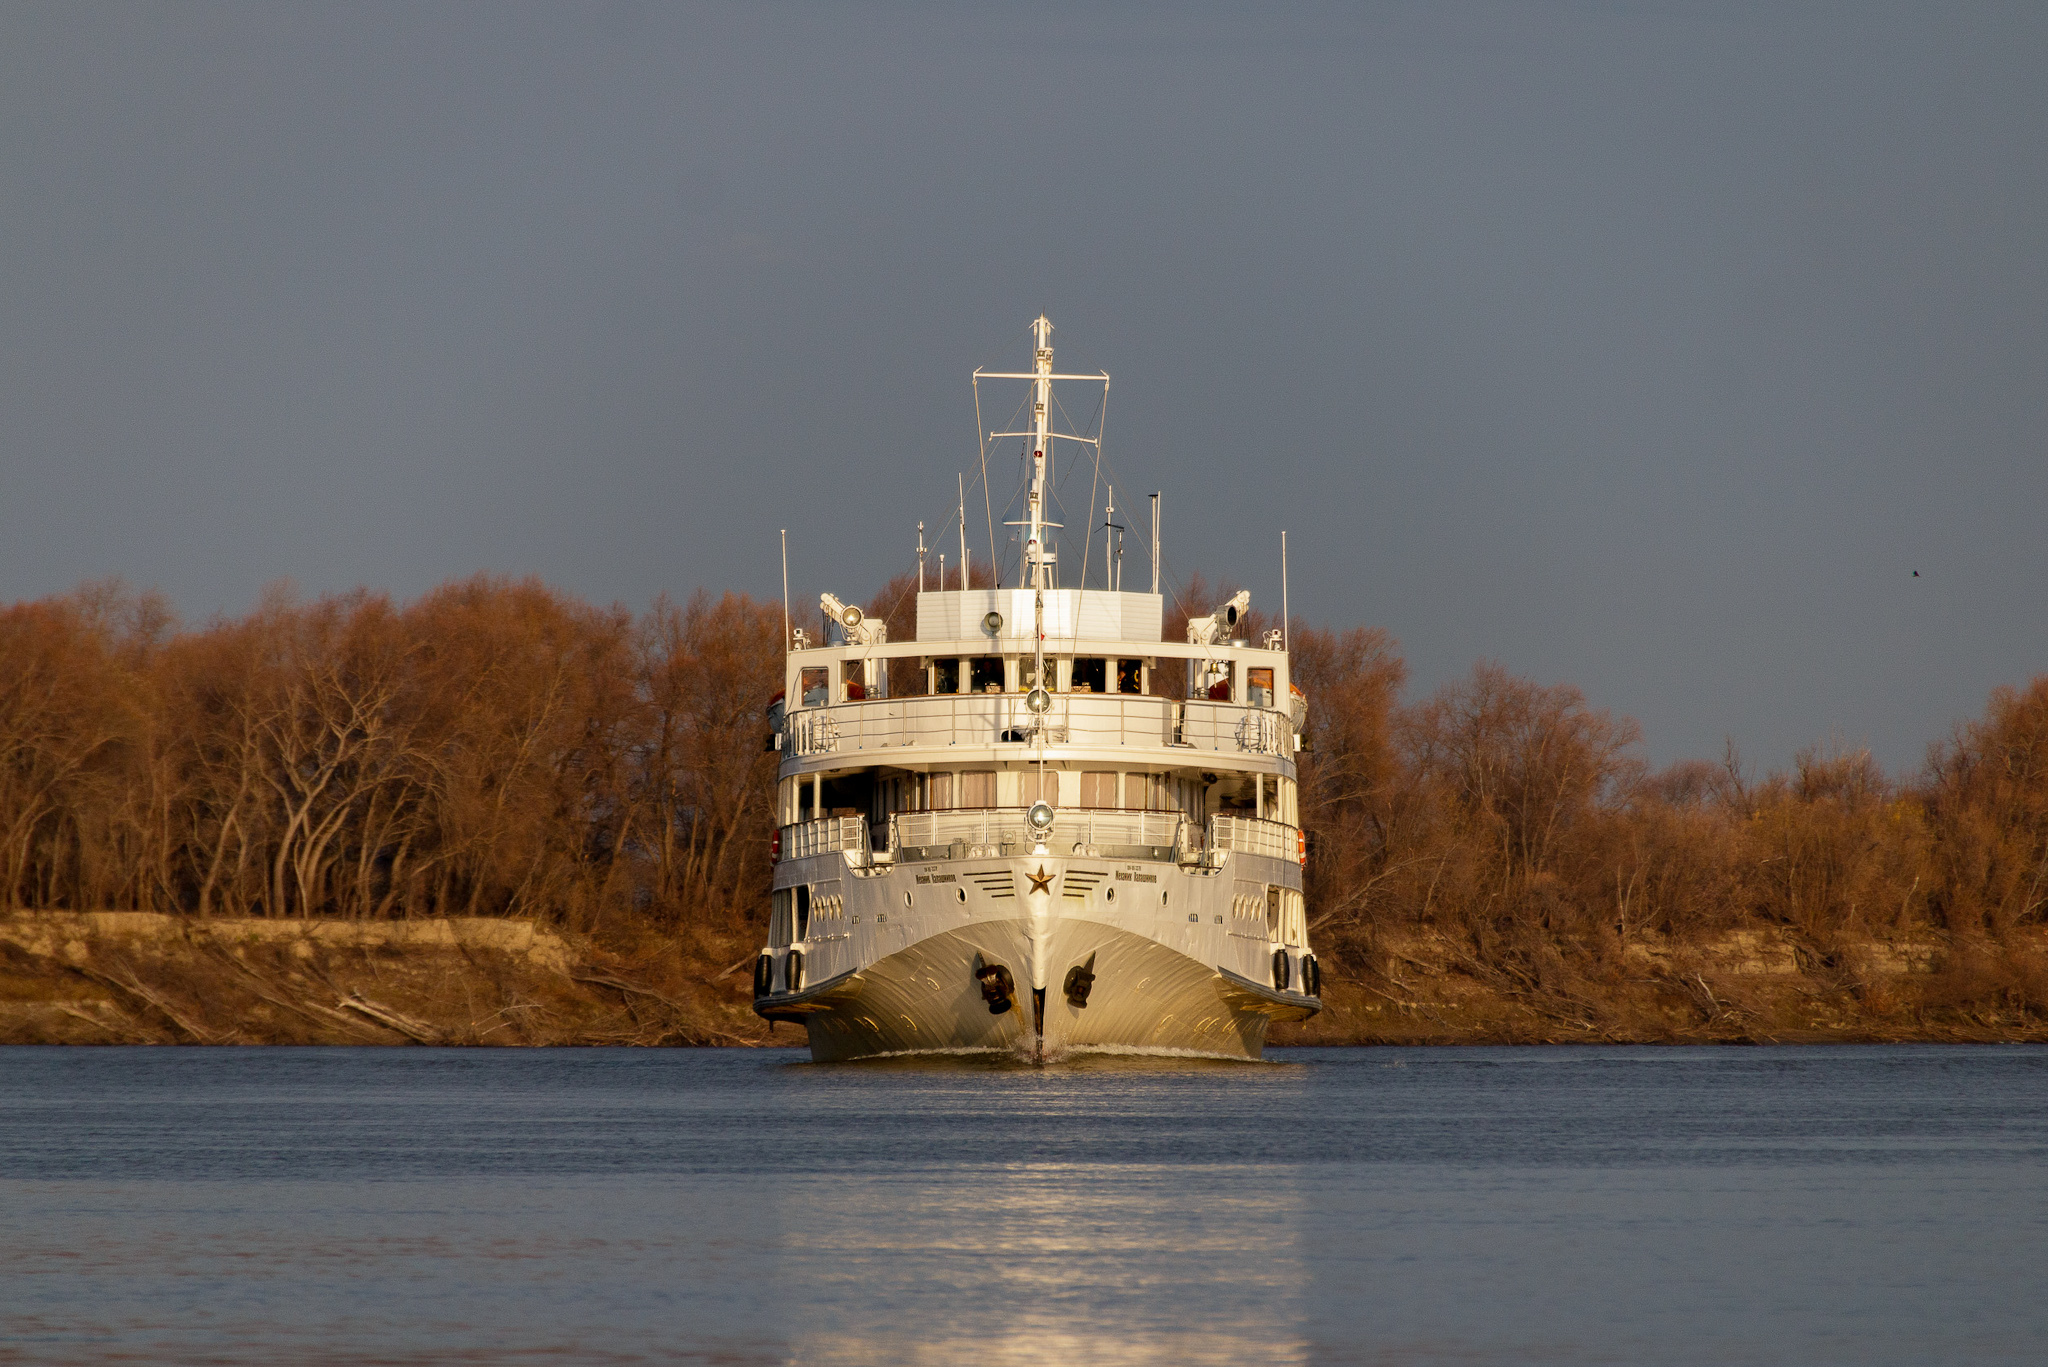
<point>1143,999</point>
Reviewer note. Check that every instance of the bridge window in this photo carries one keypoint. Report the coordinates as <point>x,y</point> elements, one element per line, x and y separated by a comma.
<point>1130,676</point>
<point>945,676</point>
<point>815,683</point>
<point>1259,687</point>
<point>1146,793</point>
<point>973,788</point>
<point>1091,676</point>
<point>1035,785</point>
<point>1099,789</point>
<point>985,674</point>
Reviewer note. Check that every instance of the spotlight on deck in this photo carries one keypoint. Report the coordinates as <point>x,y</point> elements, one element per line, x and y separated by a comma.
<point>993,623</point>
<point>859,630</point>
<point>1040,817</point>
<point>1039,701</point>
<point>1203,631</point>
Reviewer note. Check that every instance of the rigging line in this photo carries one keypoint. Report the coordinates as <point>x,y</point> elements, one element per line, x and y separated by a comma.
<point>995,561</point>
<point>952,520</point>
<point>981,440</point>
<point>1089,544</point>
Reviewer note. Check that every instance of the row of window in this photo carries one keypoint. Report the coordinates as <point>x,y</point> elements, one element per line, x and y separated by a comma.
<point>1210,679</point>
<point>793,910</point>
<point>1099,789</point>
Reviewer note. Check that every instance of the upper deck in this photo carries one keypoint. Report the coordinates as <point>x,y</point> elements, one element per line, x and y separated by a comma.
<point>1112,686</point>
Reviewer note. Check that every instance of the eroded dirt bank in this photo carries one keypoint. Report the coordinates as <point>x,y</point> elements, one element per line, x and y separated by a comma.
<point>1747,986</point>
<point>137,977</point>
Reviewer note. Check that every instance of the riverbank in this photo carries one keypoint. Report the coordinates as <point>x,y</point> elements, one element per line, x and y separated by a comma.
<point>144,978</point>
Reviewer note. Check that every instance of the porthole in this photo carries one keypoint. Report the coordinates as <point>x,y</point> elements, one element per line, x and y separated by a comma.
<point>1162,897</point>
<point>906,899</point>
<point>1109,894</point>
<point>960,893</point>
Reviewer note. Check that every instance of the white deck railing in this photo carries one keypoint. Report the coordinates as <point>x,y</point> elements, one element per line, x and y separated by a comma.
<point>994,829</point>
<point>1254,835</point>
<point>826,835</point>
<point>985,827</point>
<point>1094,720</point>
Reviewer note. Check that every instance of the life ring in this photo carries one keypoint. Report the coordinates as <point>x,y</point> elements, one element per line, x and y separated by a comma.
<point>793,971</point>
<point>1281,976</point>
<point>764,976</point>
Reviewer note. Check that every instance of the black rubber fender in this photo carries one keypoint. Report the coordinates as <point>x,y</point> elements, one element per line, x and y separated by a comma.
<point>1281,971</point>
<point>793,971</point>
<point>764,975</point>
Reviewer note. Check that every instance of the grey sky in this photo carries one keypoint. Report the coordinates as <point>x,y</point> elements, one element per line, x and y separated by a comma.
<point>1646,348</point>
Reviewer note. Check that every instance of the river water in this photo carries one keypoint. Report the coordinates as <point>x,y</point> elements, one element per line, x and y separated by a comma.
<point>1384,1206</point>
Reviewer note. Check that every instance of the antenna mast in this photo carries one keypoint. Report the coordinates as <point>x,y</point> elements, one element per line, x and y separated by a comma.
<point>1035,557</point>
<point>1155,543</point>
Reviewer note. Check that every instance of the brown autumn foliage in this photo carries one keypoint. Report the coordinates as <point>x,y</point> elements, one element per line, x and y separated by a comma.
<point>500,749</point>
<point>1511,822</point>
<point>493,749</point>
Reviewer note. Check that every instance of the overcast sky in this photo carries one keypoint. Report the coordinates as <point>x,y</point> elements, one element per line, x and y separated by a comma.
<point>1646,348</point>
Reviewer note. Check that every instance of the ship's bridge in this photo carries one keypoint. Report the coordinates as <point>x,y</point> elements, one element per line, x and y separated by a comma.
<point>968,680</point>
<point>955,722</point>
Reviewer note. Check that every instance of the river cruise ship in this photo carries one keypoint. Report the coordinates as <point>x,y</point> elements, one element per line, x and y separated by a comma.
<point>1062,833</point>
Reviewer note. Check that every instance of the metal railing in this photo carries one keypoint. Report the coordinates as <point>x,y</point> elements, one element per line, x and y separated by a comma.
<point>1142,834</point>
<point>826,835</point>
<point>1254,835</point>
<point>1095,720</point>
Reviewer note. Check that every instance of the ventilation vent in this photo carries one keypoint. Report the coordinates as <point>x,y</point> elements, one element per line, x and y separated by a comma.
<point>1081,883</point>
<point>996,883</point>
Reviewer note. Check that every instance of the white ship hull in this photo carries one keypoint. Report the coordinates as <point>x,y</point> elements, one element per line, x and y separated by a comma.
<point>1038,827</point>
<point>1169,961</point>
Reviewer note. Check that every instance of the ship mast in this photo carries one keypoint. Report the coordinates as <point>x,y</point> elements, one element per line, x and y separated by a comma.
<point>1041,562</point>
<point>1041,404</point>
<point>1034,549</point>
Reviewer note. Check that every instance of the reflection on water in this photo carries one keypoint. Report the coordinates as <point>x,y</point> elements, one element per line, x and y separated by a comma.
<point>1411,1206</point>
<point>1047,1263</point>
<point>1003,1259</point>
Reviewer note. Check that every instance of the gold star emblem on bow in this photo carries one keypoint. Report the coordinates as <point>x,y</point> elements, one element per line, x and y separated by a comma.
<point>1040,881</point>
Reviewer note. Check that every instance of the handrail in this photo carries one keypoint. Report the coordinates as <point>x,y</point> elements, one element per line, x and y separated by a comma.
<point>1099,720</point>
<point>824,835</point>
<point>1254,835</point>
<point>994,827</point>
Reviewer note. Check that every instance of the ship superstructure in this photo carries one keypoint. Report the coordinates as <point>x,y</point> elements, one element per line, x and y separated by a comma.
<point>1066,834</point>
